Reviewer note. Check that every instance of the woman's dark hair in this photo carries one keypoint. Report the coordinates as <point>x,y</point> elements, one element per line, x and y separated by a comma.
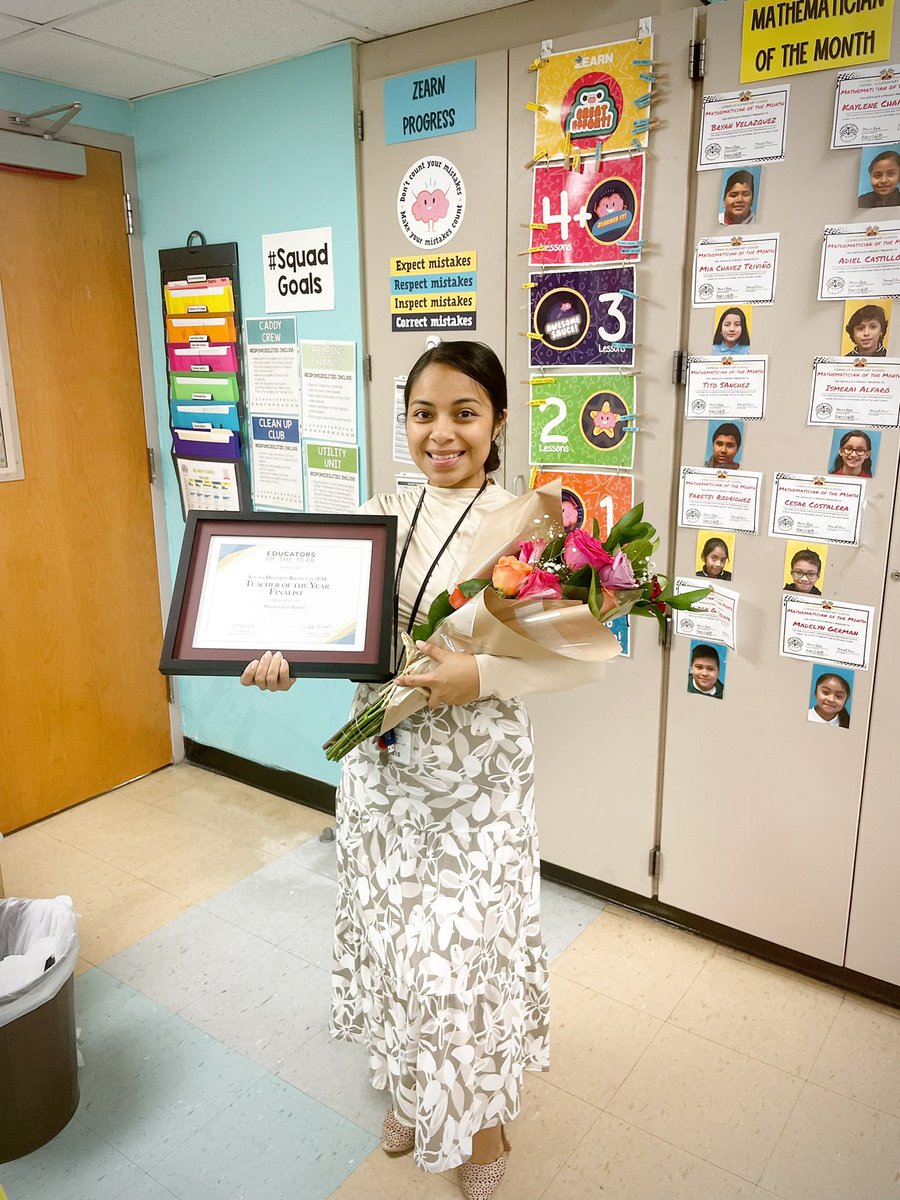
<point>480,364</point>
<point>843,716</point>
<point>714,544</point>
<point>868,312</point>
<point>807,556</point>
<point>884,154</point>
<point>729,429</point>
<point>744,339</point>
<point>866,468</point>
<point>704,651</point>
<point>739,177</point>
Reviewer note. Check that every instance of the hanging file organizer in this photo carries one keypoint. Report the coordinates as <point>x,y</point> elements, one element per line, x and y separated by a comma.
<point>201,309</point>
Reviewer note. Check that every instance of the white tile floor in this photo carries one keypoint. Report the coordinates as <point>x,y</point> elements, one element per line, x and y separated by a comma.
<point>681,1070</point>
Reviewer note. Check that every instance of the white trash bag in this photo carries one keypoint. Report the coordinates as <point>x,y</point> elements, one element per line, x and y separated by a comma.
<point>38,952</point>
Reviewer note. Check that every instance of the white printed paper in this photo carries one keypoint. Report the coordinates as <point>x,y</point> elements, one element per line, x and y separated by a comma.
<point>328,371</point>
<point>276,462</point>
<point>715,618</point>
<point>819,508</point>
<point>740,269</point>
<point>860,260</point>
<point>332,477</point>
<point>826,631</point>
<point>745,127</point>
<point>867,107</point>
<point>710,499</point>
<point>856,392</point>
<point>726,387</point>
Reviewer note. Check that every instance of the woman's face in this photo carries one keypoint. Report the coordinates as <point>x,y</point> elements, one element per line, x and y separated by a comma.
<point>804,575</point>
<point>853,454</point>
<point>866,336</point>
<point>831,696</point>
<point>885,175</point>
<point>450,425</point>
<point>732,328</point>
<point>725,447</point>
<point>714,563</point>
<point>738,202</point>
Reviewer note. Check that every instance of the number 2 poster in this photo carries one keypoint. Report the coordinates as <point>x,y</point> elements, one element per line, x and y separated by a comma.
<point>589,214</point>
<point>583,318</point>
<point>583,421</point>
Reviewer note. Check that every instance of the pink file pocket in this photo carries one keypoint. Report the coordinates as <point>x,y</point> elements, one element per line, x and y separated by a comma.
<point>209,355</point>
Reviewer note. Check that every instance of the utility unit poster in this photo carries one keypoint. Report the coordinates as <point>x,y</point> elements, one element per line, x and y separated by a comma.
<point>583,318</point>
<point>586,496</point>
<point>588,215</point>
<point>583,421</point>
<point>594,97</point>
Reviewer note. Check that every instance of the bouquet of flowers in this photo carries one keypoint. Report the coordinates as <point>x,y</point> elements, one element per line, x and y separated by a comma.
<point>530,590</point>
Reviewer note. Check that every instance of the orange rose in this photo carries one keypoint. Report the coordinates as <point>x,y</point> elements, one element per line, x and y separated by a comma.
<point>509,575</point>
<point>456,598</point>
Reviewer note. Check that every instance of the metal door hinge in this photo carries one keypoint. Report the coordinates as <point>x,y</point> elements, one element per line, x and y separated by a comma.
<point>655,862</point>
<point>697,59</point>
<point>367,367</point>
<point>170,690</point>
<point>665,632</point>
<point>360,126</point>
<point>151,464</point>
<point>679,366</point>
<point>129,215</point>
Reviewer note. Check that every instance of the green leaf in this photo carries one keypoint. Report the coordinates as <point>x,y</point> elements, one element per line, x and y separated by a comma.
<point>638,552</point>
<point>622,530</point>
<point>592,597</point>
<point>595,529</point>
<point>473,586</point>
<point>581,577</point>
<point>440,608</point>
<point>572,592</point>
<point>552,550</point>
<point>685,600</point>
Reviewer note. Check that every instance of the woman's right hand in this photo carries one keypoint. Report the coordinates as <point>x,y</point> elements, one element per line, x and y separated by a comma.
<point>269,673</point>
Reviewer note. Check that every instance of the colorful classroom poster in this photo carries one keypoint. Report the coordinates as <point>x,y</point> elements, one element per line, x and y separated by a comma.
<point>780,37</point>
<point>431,202</point>
<point>589,214</point>
<point>736,269</point>
<point>860,260</point>
<point>867,107</point>
<point>430,103</point>
<point>856,391</point>
<point>583,421</point>
<point>818,508</point>
<point>332,477</point>
<point>716,500</point>
<point>583,318</point>
<point>208,485</point>
<point>298,270</point>
<point>596,96</point>
<point>273,365</point>
<point>826,630</point>
<point>275,460</point>
<point>433,291</point>
<point>713,619</point>
<point>328,371</point>
<point>726,387</point>
<point>741,128</point>
<point>586,496</point>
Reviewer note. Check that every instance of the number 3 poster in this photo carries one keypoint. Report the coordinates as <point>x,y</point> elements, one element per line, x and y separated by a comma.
<point>583,318</point>
<point>583,421</point>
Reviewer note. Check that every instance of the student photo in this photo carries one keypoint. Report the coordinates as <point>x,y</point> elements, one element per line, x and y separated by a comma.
<point>829,698</point>
<point>707,674</point>
<point>854,452</point>
<point>804,571</point>
<point>866,329</point>
<point>732,332</point>
<point>879,177</point>
<point>723,449</point>
<point>739,194</point>
<point>713,556</point>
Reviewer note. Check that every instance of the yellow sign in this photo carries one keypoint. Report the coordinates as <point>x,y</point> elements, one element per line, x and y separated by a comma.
<point>419,263</point>
<point>437,302</point>
<point>790,37</point>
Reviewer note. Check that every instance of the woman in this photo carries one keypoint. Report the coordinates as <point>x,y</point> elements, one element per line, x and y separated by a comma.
<point>731,336</point>
<point>440,970</point>
<point>806,567</point>
<point>884,176</point>
<point>714,556</point>
<point>832,694</point>
<point>854,456</point>
<point>737,199</point>
<point>726,445</point>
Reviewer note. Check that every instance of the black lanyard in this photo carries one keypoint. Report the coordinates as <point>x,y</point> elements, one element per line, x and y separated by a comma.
<point>415,608</point>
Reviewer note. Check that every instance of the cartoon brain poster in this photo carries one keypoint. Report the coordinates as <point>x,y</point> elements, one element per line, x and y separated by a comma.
<point>592,96</point>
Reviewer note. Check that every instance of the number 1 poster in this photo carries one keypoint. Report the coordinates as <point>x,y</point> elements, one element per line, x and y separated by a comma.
<point>588,495</point>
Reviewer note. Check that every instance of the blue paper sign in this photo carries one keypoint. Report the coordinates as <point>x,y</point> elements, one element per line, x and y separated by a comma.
<point>430,103</point>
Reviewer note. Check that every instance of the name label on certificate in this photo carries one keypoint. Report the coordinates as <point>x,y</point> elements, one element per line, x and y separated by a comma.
<point>740,128</point>
<point>712,499</point>
<point>715,618</point>
<point>856,391</point>
<point>739,269</point>
<point>826,631</point>
<point>867,108</point>
<point>821,508</point>
<point>860,260</point>
<point>726,387</point>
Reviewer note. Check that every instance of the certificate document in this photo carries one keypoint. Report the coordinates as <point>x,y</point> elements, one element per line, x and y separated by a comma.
<point>820,508</point>
<point>860,260</point>
<point>726,387</point>
<point>739,269</point>
<point>826,630</point>
<point>711,499</point>
<point>715,618</point>
<point>867,107</point>
<point>293,593</point>
<point>740,128</point>
<point>856,391</point>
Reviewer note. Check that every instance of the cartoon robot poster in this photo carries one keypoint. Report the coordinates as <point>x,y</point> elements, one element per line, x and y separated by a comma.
<point>592,216</point>
<point>583,421</point>
<point>596,96</point>
<point>583,318</point>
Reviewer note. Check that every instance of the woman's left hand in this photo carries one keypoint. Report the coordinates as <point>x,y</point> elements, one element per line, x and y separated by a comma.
<point>454,679</point>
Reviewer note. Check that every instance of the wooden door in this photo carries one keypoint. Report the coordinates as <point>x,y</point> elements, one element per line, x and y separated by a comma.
<point>82,706</point>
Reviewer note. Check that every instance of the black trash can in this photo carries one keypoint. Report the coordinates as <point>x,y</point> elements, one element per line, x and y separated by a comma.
<point>38,1054</point>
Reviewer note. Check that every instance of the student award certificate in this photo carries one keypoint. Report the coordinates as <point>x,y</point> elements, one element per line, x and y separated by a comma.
<point>826,631</point>
<point>284,593</point>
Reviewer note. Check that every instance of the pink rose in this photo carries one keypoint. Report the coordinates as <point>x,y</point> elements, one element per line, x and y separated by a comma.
<point>582,550</point>
<point>541,585</point>
<point>531,552</point>
<point>619,573</point>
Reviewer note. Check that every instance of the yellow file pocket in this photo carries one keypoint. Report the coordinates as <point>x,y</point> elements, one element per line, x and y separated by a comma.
<point>216,328</point>
<point>184,297</point>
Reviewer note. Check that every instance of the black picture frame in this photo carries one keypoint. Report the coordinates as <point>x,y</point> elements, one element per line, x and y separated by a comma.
<point>179,655</point>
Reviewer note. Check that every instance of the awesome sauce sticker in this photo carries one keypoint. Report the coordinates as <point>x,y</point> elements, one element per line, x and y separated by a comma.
<point>591,216</point>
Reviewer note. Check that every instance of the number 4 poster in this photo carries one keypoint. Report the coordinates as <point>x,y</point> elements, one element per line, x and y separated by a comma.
<point>588,495</point>
<point>583,318</point>
<point>583,421</point>
<point>588,214</point>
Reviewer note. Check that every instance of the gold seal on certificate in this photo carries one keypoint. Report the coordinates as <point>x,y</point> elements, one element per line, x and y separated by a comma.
<point>317,588</point>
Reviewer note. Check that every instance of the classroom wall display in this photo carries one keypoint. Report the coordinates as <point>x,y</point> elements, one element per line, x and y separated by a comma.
<point>589,495</point>
<point>332,477</point>
<point>860,260</point>
<point>718,499</point>
<point>826,630</point>
<point>739,202</point>
<point>864,391</point>
<point>825,509</point>
<point>745,127</point>
<point>720,387</point>
<point>866,328</point>
<point>867,107</point>
<point>830,696</point>
<point>431,202</point>
<point>706,675</point>
<point>805,565</point>
<point>434,292</point>
<point>298,270</point>
<point>583,318</point>
<point>592,216</point>
<point>582,421</point>
<point>854,453</point>
<point>879,177</point>
<point>712,619</point>
<point>273,365</point>
<point>818,35</point>
<point>430,103</point>
<point>738,269</point>
<point>715,555</point>
<point>595,97</point>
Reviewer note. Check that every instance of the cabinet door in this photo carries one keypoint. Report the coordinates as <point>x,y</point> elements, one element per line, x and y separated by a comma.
<point>760,806</point>
<point>597,748</point>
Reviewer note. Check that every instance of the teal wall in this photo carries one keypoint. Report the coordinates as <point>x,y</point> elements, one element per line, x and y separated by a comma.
<point>19,94</point>
<point>262,152</point>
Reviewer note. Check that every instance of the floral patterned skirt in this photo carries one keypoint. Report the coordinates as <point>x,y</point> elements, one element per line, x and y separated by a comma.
<point>440,969</point>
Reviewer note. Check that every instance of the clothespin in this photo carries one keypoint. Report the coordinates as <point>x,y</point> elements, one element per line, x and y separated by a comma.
<point>647,76</point>
<point>626,345</point>
<point>535,337</point>
<point>530,284</point>
<point>643,101</point>
<point>535,379</point>
<point>537,63</point>
<point>641,125</point>
<point>642,62</point>
<point>567,145</point>
<point>533,478</point>
<point>576,161</point>
<point>532,250</point>
<point>625,292</point>
<point>632,247</point>
<point>535,225</point>
<point>635,147</point>
<point>533,106</point>
<point>537,158</point>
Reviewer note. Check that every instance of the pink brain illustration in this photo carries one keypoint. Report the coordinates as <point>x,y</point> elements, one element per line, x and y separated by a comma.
<point>430,206</point>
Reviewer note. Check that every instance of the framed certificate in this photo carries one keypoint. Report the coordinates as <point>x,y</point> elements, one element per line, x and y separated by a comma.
<point>318,588</point>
